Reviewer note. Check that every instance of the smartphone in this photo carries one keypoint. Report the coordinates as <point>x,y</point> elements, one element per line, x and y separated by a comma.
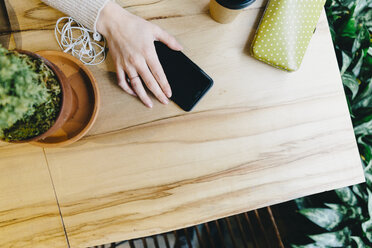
<point>188,82</point>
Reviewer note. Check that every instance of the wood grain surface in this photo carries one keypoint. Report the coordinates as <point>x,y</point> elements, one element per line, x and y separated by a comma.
<point>259,137</point>
<point>29,214</point>
<point>5,29</point>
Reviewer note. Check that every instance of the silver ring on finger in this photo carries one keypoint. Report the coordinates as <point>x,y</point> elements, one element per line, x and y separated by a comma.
<point>131,78</point>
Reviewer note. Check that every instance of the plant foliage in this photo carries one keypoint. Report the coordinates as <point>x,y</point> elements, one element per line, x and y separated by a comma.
<point>29,96</point>
<point>19,89</point>
<point>348,221</point>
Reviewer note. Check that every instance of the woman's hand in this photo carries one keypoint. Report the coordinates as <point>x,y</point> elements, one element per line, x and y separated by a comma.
<point>131,42</point>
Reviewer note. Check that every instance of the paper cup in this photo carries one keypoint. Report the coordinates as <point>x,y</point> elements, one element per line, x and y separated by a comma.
<point>225,11</point>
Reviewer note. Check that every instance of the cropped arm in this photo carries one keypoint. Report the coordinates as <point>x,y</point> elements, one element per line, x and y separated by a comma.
<point>86,12</point>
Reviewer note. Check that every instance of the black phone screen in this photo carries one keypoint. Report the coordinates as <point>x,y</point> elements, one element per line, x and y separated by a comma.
<point>188,82</point>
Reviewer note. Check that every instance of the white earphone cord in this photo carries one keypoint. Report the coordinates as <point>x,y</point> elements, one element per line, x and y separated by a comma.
<point>75,38</point>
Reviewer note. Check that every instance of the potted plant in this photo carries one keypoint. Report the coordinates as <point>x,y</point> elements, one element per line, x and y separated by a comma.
<point>35,97</point>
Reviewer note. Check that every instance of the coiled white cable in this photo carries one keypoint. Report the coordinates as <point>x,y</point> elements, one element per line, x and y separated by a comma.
<point>83,43</point>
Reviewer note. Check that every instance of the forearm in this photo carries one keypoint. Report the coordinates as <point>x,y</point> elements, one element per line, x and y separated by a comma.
<point>85,12</point>
<point>131,43</point>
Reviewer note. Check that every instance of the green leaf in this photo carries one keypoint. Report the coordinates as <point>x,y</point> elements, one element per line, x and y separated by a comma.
<point>368,168</point>
<point>370,49</point>
<point>346,195</point>
<point>364,128</point>
<point>300,202</point>
<point>369,203</point>
<point>347,3</point>
<point>349,29</point>
<point>365,150</point>
<point>364,98</point>
<point>348,212</point>
<point>359,191</point>
<point>367,229</point>
<point>358,66</point>
<point>368,177</point>
<point>360,5</point>
<point>346,61</point>
<point>323,217</point>
<point>313,245</point>
<point>333,239</point>
<point>366,72</point>
<point>303,202</point>
<point>362,40</point>
<point>359,242</point>
<point>351,82</point>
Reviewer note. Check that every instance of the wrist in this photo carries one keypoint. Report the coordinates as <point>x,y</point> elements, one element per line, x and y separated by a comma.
<point>108,16</point>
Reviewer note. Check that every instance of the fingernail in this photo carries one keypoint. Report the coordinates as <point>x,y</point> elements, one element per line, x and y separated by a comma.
<point>149,105</point>
<point>165,101</point>
<point>169,94</point>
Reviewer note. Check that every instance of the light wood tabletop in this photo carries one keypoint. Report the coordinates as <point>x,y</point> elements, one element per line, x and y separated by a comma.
<point>29,214</point>
<point>261,136</point>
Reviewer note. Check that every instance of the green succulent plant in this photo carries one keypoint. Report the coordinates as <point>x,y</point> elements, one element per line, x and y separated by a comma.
<point>347,221</point>
<point>29,96</point>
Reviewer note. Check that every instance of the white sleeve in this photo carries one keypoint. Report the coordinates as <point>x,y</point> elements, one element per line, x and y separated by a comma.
<point>86,12</point>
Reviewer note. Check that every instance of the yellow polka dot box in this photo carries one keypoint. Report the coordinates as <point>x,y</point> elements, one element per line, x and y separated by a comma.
<point>285,31</point>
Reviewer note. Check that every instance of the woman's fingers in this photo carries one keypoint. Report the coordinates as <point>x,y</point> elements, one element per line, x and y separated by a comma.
<point>122,81</point>
<point>168,39</point>
<point>137,86</point>
<point>151,83</point>
<point>138,69</point>
<point>158,73</point>
<point>135,52</point>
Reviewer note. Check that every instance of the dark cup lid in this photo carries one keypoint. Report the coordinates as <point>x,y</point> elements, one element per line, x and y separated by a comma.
<point>235,4</point>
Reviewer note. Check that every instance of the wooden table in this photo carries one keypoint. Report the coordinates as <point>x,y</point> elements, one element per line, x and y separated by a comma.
<point>260,136</point>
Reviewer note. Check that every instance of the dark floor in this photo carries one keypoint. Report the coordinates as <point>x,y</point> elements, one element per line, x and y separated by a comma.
<point>254,229</point>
